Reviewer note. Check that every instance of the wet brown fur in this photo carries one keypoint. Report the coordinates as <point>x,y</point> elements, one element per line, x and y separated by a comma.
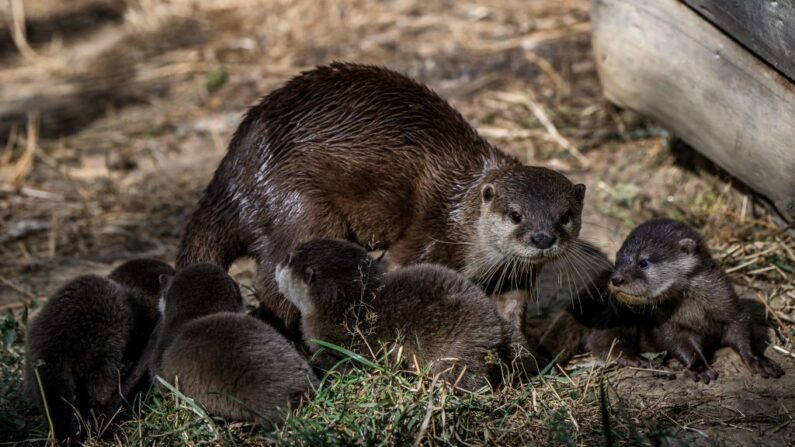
<point>236,366</point>
<point>434,313</point>
<point>692,319</point>
<point>365,154</point>
<point>85,340</point>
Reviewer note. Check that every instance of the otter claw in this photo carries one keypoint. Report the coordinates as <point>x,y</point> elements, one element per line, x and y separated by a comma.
<point>699,373</point>
<point>765,367</point>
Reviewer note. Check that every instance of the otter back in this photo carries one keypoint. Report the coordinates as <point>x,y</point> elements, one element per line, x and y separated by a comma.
<point>368,155</point>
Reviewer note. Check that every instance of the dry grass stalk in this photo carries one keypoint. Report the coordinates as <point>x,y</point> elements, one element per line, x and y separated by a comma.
<point>541,115</point>
<point>18,32</point>
<point>8,151</point>
<point>24,165</point>
<point>15,287</point>
<point>529,40</point>
<point>563,87</point>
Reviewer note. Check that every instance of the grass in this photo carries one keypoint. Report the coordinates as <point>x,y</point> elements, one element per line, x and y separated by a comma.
<point>371,403</point>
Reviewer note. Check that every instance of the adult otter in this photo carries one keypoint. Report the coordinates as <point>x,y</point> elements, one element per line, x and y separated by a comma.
<point>368,155</point>
<point>236,366</point>
<point>436,315</point>
<point>83,343</point>
<point>667,293</point>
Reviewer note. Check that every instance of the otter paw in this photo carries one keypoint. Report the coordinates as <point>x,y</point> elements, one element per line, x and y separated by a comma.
<point>635,361</point>
<point>702,374</point>
<point>765,367</point>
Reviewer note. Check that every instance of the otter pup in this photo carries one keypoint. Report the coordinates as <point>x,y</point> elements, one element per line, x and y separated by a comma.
<point>236,366</point>
<point>85,340</point>
<point>346,298</point>
<point>666,293</point>
<point>368,155</point>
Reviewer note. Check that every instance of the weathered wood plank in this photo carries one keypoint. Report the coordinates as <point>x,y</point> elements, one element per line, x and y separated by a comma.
<point>660,59</point>
<point>766,27</point>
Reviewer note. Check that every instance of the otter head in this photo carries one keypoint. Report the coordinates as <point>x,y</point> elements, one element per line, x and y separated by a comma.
<point>199,290</point>
<point>656,261</point>
<point>327,274</point>
<point>529,213</point>
<point>142,278</point>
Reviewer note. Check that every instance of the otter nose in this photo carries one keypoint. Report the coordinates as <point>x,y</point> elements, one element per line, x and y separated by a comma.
<point>617,280</point>
<point>542,240</point>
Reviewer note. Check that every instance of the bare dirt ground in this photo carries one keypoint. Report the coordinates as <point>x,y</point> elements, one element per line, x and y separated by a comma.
<point>112,126</point>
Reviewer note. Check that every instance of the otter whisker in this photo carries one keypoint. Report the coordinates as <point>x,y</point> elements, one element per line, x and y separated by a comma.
<point>514,282</point>
<point>577,271</point>
<point>501,278</point>
<point>583,260</point>
<point>585,278</point>
<point>587,248</point>
<point>573,294</point>
<point>488,276</point>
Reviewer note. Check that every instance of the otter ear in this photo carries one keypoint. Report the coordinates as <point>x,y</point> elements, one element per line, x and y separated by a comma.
<point>687,245</point>
<point>164,279</point>
<point>309,276</point>
<point>579,192</point>
<point>487,192</point>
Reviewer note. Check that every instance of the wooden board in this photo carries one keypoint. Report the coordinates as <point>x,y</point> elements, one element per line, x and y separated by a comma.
<point>767,28</point>
<point>663,60</point>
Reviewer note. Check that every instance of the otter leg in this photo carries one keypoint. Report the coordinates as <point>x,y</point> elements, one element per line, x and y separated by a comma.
<point>139,377</point>
<point>563,339</point>
<point>688,348</point>
<point>520,356</point>
<point>100,386</point>
<point>274,309</point>
<point>512,306</point>
<point>739,336</point>
<point>58,389</point>
<point>616,344</point>
<point>318,220</point>
<point>212,234</point>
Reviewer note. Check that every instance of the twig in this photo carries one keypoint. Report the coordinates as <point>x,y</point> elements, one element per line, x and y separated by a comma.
<point>52,241</point>
<point>783,351</point>
<point>30,192</point>
<point>550,71</point>
<point>497,132</point>
<point>10,143</point>
<point>17,288</point>
<point>543,118</point>
<point>18,32</point>
<point>19,304</point>
<point>24,165</point>
<point>530,40</point>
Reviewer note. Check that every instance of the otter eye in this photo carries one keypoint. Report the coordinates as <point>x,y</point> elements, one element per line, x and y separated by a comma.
<point>565,218</point>
<point>643,264</point>
<point>515,217</point>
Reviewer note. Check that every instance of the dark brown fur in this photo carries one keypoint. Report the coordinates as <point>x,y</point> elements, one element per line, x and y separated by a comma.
<point>365,154</point>
<point>695,314</point>
<point>86,339</point>
<point>236,366</point>
<point>435,314</point>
